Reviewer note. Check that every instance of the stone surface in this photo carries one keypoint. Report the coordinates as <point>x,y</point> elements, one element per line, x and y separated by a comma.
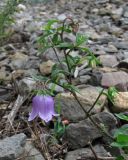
<point>19,61</point>
<point>31,153</point>
<point>16,147</point>
<point>70,108</point>
<point>12,147</point>
<point>46,67</point>
<point>120,102</point>
<point>84,79</point>
<point>108,60</point>
<point>114,78</point>
<point>121,45</point>
<point>123,64</point>
<point>86,153</point>
<point>26,85</point>
<point>79,134</point>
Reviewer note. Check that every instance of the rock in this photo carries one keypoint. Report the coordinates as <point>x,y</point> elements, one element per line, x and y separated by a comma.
<point>21,7</point>
<point>121,45</point>
<point>62,17</point>
<point>120,102</point>
<point>79,134</point>
<point>116,31</point>
<point>71,110</point>
<point>125,12</point>
<point>12,147</point>
<point>17,147</point>
<point>117,13</point>
<point>123,64</point>
<point>95,78</point>
<point>32,153</point>
<point>86,153</point>
<point>101,1</point>
<point>108,60</point>
<point>84,79</point>
<point>107,69</point>
<point>85,71</point>
<point>111,49</point>
<point>46,67</point>
<point>122,87</point>
<point>126,54</point>
<point>114,78</point>
<point>18,61</point>
<point>50,55</point>
<point>3,55</point>
<point>26,85</point>
<point>5,95</point>
<point>57,88</point>
<point>2,74</point>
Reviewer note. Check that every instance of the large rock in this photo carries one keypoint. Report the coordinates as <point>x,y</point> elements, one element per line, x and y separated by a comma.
<point>16,147</point>
<point>79,134</point>
<point>71,110</point>
<point>108,60</point>
<point>46,67</point>
<point>19,61</point>
<point>86,153</point>
<point>31,153</point>
<point>123,64</point>
<point>121,45</point>
<point>114,78</point>
<point>12,147</point>
<point>120,102</point>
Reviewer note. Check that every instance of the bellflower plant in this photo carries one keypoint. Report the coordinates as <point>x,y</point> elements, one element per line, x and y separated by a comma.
<point>42,106</point>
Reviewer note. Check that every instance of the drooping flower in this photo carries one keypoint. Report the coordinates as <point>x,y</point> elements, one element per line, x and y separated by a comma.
<point>42,106</point>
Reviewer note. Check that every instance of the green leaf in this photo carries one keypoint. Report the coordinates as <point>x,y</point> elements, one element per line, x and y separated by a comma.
<point>56,39</point>
<point>70,87</point>
<point>120,158</point>
<point>65,45</point>
<point>121,130</point>
<point>121,141</point>
<point>48,27</point>
<point>57,72</point>
<point>122,116</point>
<point>122,138</point>
<point>73,61</point>
<point>80,39</point>
<point>40,78</point>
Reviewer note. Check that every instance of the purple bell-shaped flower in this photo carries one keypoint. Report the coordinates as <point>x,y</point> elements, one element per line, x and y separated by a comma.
<point>42,106</point>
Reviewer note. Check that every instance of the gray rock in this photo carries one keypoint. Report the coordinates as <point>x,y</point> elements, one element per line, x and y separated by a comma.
<point>18,61</point>
<point>26,85</point>
<point>108,60</point>
<point>111,48</point>
<point>96,77</point>
<point>18,64</point>
<point>123,64</point>
<point>46,67</point>
<point>84,79</point>
<point>121,45</point>
<point>79,134</point>
<point>85,71</point>
<point>50,55</point>
<point>126,54</point>
<point>86,153</point>
<point>101,1</point>
<point>12,147</point>
<point>114,78</point>
<point>126,12</point>
<point>71,110</point>
<point>32,153</point>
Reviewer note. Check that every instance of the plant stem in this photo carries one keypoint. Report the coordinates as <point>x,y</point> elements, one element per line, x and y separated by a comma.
<point>70,82</point>
<point>96,101</point>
